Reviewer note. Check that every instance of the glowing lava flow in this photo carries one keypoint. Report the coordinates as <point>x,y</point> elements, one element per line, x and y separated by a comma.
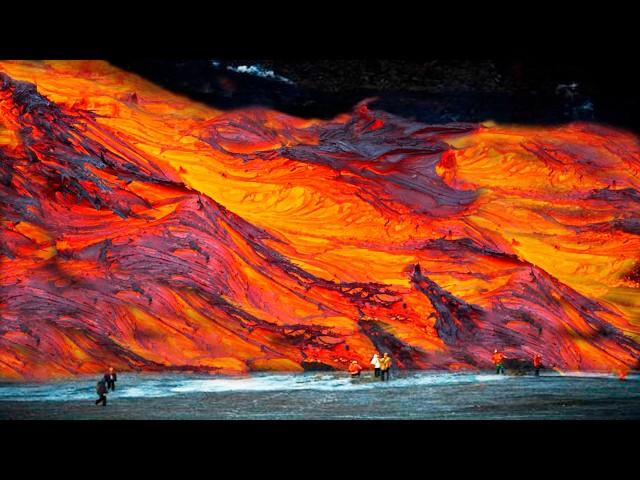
<point>145,231</point>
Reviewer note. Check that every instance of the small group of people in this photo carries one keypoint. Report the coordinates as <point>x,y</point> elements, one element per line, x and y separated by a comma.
<point>381,367</point>
<point>498,360</point>
<point>106,383</point>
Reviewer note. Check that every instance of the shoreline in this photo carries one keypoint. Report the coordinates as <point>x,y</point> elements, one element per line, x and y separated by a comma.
<point>341,373</point>
<point>329,396</point>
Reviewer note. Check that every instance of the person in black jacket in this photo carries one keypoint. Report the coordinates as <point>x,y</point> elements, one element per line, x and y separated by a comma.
<point>110,379</point>
<point>101,390</point>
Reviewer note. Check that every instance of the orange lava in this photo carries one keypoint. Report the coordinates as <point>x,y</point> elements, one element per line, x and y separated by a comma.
<point>145,231</point>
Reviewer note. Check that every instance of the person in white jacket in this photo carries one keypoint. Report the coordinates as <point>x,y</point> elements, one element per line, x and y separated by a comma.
<point>375,361</point>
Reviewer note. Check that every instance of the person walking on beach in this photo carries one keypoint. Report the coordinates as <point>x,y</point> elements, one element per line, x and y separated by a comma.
<point>375,361</point>
<point>355,369</point>
<point>498,361</point>
<point>537,363</point>
<point>110,379</point>
<point>101,390</point>
<point>385,366</point>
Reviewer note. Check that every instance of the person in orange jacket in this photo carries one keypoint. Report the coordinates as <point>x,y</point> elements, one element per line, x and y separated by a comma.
<point>498,361</point>
<point>355,369</point>
<point>537,363</point>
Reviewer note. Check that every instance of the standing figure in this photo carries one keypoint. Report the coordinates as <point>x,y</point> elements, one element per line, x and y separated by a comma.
<point>498,361</point>
<point>110,379</point>
<point>101,390</point>
<point>385,367</point>
<point>355,369</point>
<point>375,361</point>
<point>537,363</point>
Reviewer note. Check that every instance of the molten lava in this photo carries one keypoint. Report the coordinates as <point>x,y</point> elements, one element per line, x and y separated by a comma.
<point>145,231</point>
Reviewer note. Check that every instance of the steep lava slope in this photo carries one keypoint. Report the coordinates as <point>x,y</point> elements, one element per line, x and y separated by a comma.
<point>145,231</point>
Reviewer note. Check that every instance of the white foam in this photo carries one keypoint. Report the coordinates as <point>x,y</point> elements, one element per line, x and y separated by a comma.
<point>259,71</point>
<point>158,385</point>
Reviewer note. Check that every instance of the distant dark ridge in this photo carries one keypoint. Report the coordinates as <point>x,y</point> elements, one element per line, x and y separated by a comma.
<point>432,91</point>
